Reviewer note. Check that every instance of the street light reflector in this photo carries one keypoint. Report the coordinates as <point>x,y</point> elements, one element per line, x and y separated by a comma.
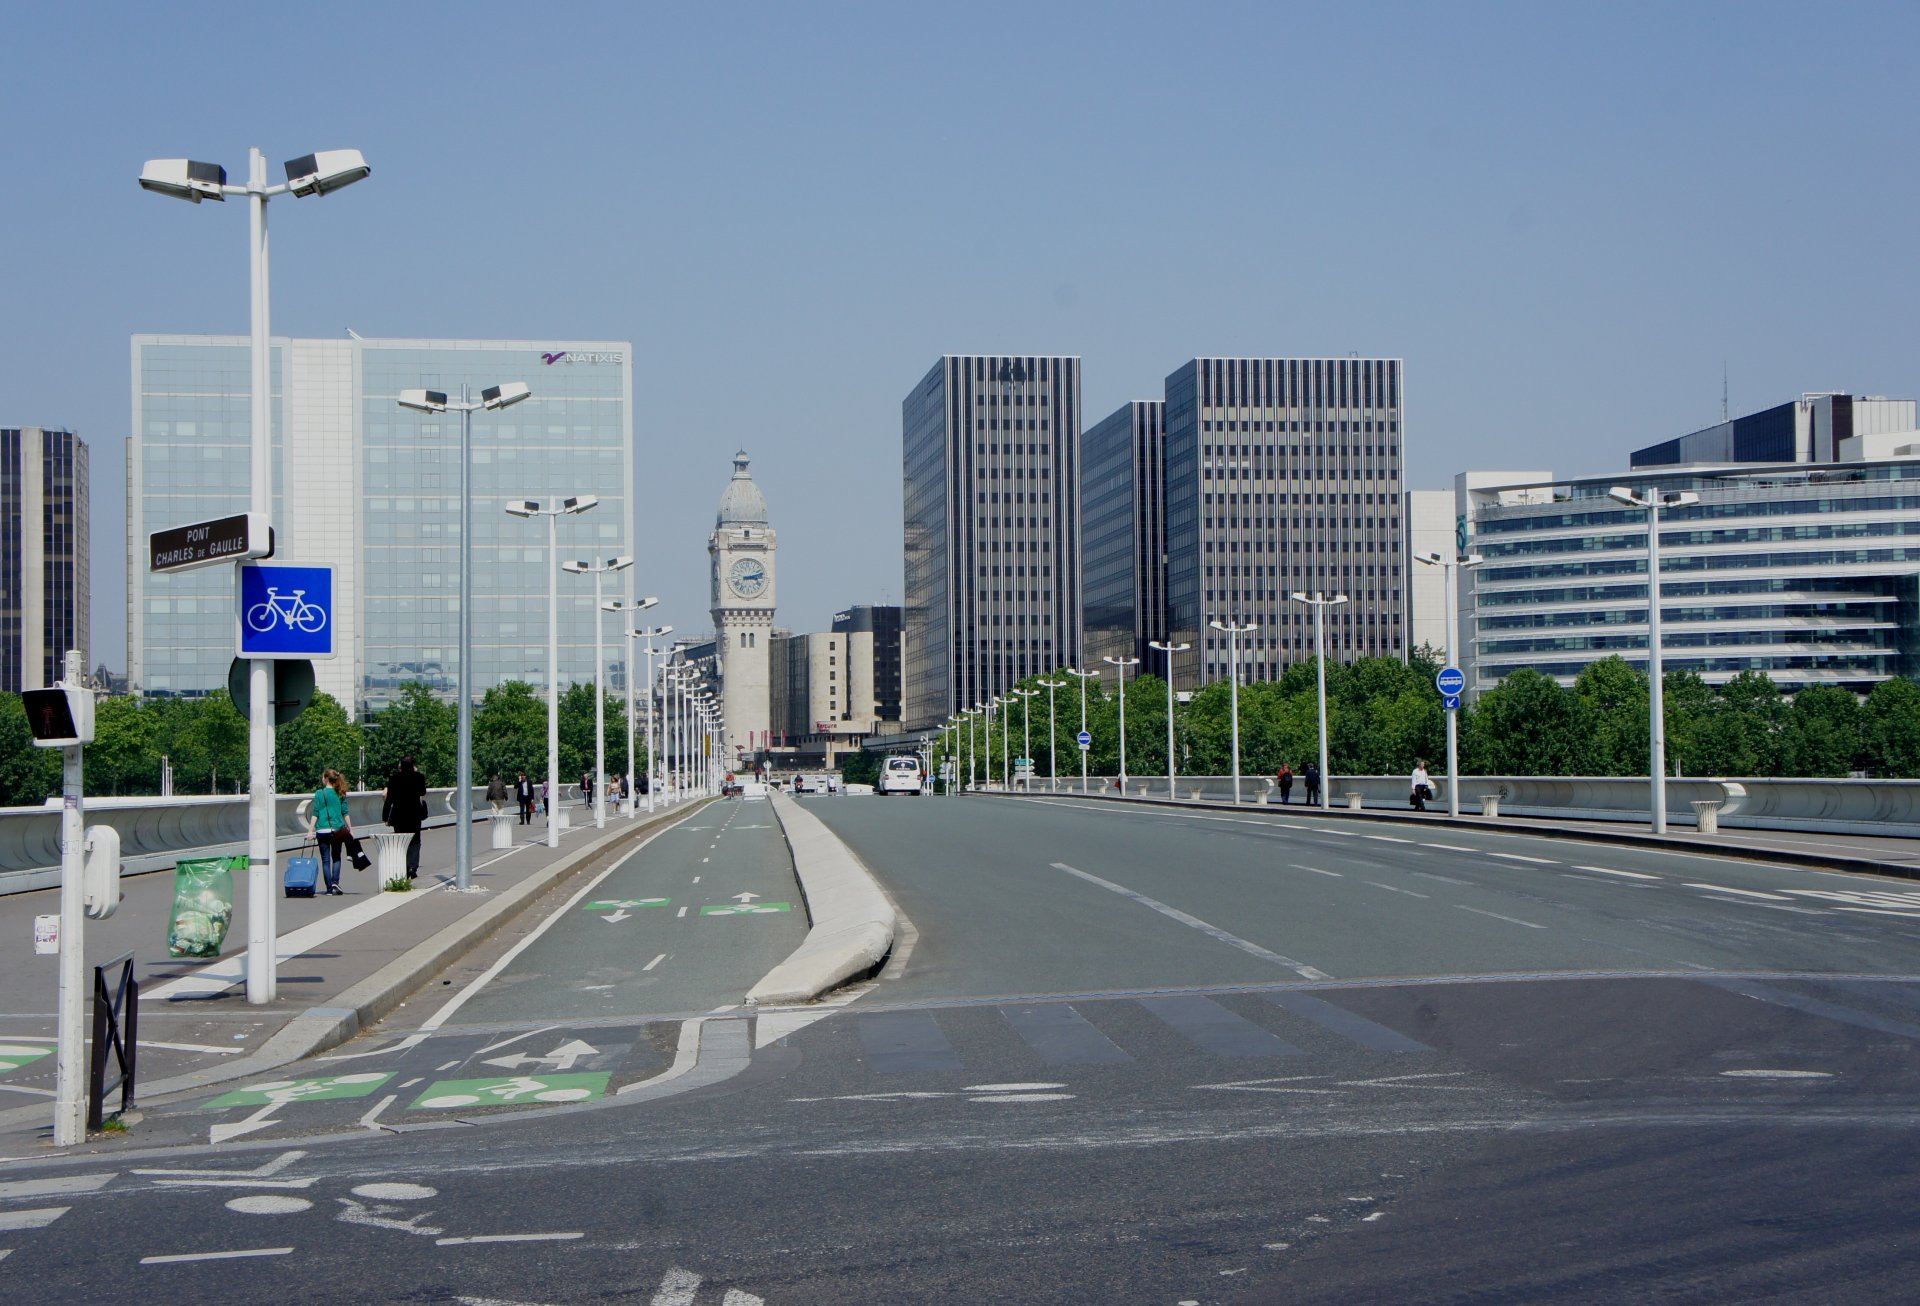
<point>1621,494</point>
<point>1682,499</point>
<point>505,396</point>
<point>620,563</point>
<point>184,179</point>
<point>1431,559</point>
<point>578,566</point>
<point>524,507</point>
<point>426,401</point>
<point>324,172</point>
<point>579,503</point>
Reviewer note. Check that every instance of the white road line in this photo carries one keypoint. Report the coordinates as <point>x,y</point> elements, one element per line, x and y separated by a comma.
<point>655,962</point>
<point>80,1183</point>
<point>507,1238</point>
<point>1445,879</point>
<point>696,879</point>
<point>1744,893</point>
<point>37,1218</point>
<point>1213,931</point>
<point>1521,857</point>
<point>22,1088</point>
<point>1450,847</point>
<point>1511,920</point>
<point>1880,911</point>
<point>508,1042</point>
<point>1316,870</point>
<point>191,1047</point>
<point>215,1256</point>
<point>1391,889</point>
<point>1608,870</point>
<point>681,912</point>
<point>366,1121</point>
<point>1385,838</point>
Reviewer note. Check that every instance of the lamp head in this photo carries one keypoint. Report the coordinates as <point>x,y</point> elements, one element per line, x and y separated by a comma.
<point>1431,558</point>
<point>1469,560</point>
<point>620,563</point>
<point>424,401</point>
<point>325,172</point>
<point>524,507</point>
<point>1682,499</point>
<point>579,503</point>
<point>576,566</point>
<point>1298,596</point>
<point>184,179</point>
<point>1621,494</point>
<point>496,397</point>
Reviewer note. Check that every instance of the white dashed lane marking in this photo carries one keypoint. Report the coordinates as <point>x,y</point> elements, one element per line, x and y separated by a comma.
<point>1511,920</point>
<point>1608,870</point>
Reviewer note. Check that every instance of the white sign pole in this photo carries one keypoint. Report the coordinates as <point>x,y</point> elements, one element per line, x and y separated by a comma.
<point>70,1069</point>
<point>261,906</point>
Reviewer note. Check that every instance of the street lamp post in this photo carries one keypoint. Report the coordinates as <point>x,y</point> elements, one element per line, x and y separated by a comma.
<point>559,508</point>
<point>1121,675</point>
<point>1320,603</point>
<point>654,768</point>
<point>597,569</point>
<point>320,173</point>
<point>492,399</point>
<point>1170,650</point>
<point>1083,677</point>
<point>1026,729</point>
<point>624,607</point>
<point>1453,654</point>
<point>1233,632</point>
<point>1653,501</point>
<point>1053,738</point>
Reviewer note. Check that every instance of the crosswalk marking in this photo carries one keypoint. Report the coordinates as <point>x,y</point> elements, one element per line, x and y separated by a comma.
<point>1816,1007</point>
<point>1061,1036</point>
<point>37,1218</point>
<point>898,1041</point>
<point>79,1183</point>
<point>1345,1023</point>
<point>1212,1028</point>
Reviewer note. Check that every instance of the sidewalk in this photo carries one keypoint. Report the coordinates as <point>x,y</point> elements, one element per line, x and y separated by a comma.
<point>344,961</point>
<point>1892,855</point>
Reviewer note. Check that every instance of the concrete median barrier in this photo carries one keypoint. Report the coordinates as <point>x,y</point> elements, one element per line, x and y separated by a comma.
<point>852,922</point>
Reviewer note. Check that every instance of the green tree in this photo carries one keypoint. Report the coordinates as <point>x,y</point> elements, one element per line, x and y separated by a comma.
<point>510,732</point>
<point>206,740</point>
<point>1740,735</point>
<point>28,775</point>
<point>860,768</point>
<point>1526,725</point>
<point>323,736</point>
<point>416,724</point>
<point>123,757</point>
<point>1687,701</point>
<point>1890,729</point>
<point>1822,733</point>
<point>1615,697</point>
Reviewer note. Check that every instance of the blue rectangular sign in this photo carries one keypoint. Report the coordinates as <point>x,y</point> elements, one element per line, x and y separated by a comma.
<point>286,612</point>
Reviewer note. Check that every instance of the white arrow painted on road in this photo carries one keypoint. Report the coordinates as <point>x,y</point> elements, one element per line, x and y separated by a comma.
<point>620,915</point>
<point>258,1120</point>
<point>745,897</point>
<point>562,1057</point>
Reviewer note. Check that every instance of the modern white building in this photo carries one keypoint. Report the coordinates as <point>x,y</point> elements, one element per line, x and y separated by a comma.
<point>1430,529</point>
<point>373,490</point>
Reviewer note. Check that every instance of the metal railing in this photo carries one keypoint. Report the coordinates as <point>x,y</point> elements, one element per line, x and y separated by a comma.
<point>116,1033</point>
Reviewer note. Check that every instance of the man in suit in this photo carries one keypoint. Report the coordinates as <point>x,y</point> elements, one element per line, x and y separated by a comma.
<point>405,808</point>
<point>523,795</point>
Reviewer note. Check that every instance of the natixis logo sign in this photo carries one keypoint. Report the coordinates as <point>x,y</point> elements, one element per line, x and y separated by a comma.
<point>574,357</point>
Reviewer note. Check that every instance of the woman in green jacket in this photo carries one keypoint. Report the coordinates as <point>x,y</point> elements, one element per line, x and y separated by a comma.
<point>330,828</point>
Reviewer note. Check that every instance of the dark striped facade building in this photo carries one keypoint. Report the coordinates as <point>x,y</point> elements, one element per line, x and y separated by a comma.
<point>45,586</point>
<point>1123,505</point>
<point>1283,474</point>
<point>991,470</point>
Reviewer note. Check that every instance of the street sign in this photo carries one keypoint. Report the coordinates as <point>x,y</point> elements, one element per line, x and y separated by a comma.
<point>1451,702</point>
<point>292,688</point>
<point>1450,681</point>
<point>1084,739</point>
<point>285,612</point>
<point>227,539</point>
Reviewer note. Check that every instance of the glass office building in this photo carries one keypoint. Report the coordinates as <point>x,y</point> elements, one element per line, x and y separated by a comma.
<point>991,469</point>
<point>372,490</point>
<point>1283,474</point>
<point>45,585</point>
<point>1123,506</point>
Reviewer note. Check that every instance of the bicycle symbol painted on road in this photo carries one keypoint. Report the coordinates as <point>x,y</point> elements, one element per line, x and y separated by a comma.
<point>290,610</point>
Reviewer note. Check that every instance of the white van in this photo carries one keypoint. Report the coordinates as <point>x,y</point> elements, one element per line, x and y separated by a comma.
<point>900,775</point>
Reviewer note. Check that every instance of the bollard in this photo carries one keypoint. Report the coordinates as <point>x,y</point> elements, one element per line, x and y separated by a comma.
<point>502,830</point>
<point>1194,793</point>
<point>1353,801</point>
<point>1707,813</point>
<point>390,856</point>
<point>1490,805</point>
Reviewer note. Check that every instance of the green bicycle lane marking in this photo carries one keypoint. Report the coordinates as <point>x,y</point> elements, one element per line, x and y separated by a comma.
<point>746,908</point>
<point>451,1094</point>
<point>624,904</point>
<point>277,1091</point>
<point>15,1055</point>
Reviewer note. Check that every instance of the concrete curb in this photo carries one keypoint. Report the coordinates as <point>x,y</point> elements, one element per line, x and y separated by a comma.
<point>853,924</point>
<point>1517,825</point>
<point>320,1028</point>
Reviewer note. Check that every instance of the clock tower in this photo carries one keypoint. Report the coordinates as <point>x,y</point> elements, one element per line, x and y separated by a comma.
<point>741,548</point>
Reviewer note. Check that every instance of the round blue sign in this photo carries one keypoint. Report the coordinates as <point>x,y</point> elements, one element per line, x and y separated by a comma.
<point>1450,681</point>
<point>1084,739</point>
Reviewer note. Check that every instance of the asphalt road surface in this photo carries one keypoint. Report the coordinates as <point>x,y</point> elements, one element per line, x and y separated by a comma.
<point>1133,1055</point>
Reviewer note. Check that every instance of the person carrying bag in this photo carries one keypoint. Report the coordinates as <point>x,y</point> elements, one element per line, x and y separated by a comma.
<point>330,827</point>
<point>406,808</point>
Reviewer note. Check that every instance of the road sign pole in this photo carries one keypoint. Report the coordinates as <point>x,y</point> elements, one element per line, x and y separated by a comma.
<point>70,1100</point>
<point>261,896</point>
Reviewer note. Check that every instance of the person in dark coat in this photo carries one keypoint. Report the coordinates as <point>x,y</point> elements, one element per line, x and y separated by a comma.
<point>523,795</point>
<point>1285,781</point>
<point>405,808</point>
<point>1312,777</point>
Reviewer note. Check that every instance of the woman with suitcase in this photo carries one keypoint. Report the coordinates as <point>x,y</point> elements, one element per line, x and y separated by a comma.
<point>330,828</point>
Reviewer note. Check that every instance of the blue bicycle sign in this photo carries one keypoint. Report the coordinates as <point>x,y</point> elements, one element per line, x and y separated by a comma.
<point>286,612</point>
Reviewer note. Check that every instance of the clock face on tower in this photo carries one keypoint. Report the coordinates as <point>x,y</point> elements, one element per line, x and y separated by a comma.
<point>748,578</point>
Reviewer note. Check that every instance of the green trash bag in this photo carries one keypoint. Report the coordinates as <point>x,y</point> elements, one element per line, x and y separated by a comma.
<point>202,906</point>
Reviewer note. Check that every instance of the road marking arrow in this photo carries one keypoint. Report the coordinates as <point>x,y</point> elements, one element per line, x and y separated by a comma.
<point>621,915</point>
<point>745,897</point>
<point>258,1120</point>
<point>561,1058</point>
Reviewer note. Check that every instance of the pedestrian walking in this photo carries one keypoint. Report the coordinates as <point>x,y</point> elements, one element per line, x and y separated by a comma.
<point>1312,778</point>
<point>546,793</point>
<point>1422,786</point>
<point>1285,780</point>
<point>330,827</point>
<point>496,793</point>
<point>405,809</point>
<point>523,795</point>
<point>586,789</point>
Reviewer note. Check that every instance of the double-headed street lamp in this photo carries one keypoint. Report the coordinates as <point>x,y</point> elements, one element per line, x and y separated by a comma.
<point>1083,677</point>
<point>1453,653</point>
<point>1233,632</point>
<point>1121,675</point>
<point>1170,650</point>
<point>492,399</point>
<point>1053,739</point>
<point>654,768</point>
<point>553,513</point>
<point>597,568</point>
<point>320,173</point>
<point>1320,603</point>
<point>1653,501</point>
<point>972,715</point>
<point>627,609</point>
<point>1026,729</point>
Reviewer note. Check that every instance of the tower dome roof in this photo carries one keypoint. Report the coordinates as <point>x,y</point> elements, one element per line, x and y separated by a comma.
<point>742,504</point>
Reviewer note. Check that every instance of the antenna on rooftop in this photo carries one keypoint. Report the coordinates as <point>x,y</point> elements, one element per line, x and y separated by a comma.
<point>1723,390</point>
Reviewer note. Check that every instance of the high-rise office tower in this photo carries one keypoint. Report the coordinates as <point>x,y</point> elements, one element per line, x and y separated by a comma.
<point>991,453</point>
<point>1123,504</point>
<point>1283,474</point>
<point>373,490</point>
<point>44,583</point>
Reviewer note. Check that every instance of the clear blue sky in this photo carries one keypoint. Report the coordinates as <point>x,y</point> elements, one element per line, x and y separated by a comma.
<point>1565,218</point>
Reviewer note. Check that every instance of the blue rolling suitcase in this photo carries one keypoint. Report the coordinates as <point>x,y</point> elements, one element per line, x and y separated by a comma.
<point>303,876</point>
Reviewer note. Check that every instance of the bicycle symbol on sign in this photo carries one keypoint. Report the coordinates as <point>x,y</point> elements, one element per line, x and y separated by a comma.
<point>292,610</point>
